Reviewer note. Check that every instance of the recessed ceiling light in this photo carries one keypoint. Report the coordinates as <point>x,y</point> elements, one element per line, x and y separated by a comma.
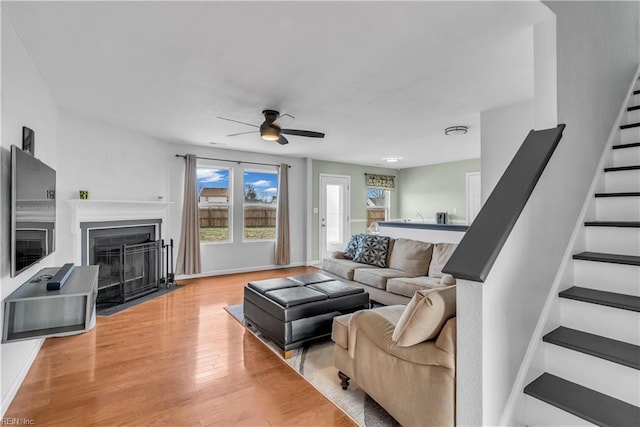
<point>456,130</point>
<point>392,159</point>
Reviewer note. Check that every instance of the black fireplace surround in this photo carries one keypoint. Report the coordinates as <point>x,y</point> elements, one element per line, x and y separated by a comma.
<point>128,254</point>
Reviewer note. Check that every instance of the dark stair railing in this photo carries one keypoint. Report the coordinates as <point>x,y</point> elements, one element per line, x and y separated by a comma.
<point>481,245</point>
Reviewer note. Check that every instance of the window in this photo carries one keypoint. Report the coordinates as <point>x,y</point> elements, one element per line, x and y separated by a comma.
<point>214,200</point>
<point>378,202</point>
<point>260,204</point>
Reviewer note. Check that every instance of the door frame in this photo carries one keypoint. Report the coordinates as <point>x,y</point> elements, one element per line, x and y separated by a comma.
<point>321,205</point>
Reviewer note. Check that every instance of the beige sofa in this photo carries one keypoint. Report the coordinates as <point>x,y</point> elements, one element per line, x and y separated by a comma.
<point>411,265</point>
<point>404,357</point>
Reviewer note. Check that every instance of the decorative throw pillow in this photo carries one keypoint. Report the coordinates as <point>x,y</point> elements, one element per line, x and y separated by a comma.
<point>425,315</point>
<point>352,247</point>
<point>373,251</point>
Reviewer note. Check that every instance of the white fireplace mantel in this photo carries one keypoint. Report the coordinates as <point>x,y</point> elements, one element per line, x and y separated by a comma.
<point>112,210</point>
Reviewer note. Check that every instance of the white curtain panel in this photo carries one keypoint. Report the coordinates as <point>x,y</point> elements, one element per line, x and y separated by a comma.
<point>283,247</point>
<point>189,249</point>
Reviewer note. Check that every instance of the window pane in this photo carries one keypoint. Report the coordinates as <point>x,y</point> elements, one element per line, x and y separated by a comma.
<point>334,214</point>
<point>214,190</point>
<point>376,198</point>
<point>214,223</point>
<point>260,205</point>
<point>377,205</point>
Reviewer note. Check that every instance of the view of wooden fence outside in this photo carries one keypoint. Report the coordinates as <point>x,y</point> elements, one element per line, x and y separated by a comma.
<point>214,217</point>
<point>259,216</point>
<point>259,223</point>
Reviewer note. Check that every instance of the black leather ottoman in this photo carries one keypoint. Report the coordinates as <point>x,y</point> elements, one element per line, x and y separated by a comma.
<point>294,310</point>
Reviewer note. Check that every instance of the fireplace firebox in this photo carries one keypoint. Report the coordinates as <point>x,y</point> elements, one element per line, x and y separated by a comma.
<point>129,256</point>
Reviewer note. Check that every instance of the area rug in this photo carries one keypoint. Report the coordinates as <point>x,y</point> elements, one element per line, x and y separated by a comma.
<point>108,309</point>
<point>315,363</point>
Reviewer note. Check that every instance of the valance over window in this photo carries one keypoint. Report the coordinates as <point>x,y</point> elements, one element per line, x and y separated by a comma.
<point>383,182</point>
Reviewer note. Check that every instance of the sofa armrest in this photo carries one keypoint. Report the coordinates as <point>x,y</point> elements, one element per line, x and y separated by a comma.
<point>389,314</point>
<point>337,255</point>
<point>380,331</point>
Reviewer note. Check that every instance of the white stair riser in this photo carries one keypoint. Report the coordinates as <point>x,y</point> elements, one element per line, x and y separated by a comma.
<point>615,240</point>
<point>621,181</point>
<point>612,379</point>
<point>614,323</point>
<point>622,279</point>
<point>618,208</point>
<point>633,116</point>
<point>630,135</point>
<point>626,156</point>
<point>540,413</point>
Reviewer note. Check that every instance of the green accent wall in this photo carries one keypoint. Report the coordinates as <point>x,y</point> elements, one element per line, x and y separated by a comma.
<point>435,188</point>
<point>358,195</point>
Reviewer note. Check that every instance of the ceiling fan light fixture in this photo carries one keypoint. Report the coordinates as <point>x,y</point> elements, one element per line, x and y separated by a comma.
<point>456,130</point>
<point>270,133</point>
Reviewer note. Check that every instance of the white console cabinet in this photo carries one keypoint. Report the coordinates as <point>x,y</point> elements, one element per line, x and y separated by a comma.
<point>33,312</point>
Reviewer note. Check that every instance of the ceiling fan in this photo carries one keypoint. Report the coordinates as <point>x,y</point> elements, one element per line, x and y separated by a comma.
<point>271,130</point>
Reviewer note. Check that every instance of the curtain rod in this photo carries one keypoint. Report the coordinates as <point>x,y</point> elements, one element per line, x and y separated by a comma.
<point>378,174</point>
<point>231,161</point>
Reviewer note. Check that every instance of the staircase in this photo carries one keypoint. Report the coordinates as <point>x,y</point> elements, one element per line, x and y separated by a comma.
<point>591,362</point>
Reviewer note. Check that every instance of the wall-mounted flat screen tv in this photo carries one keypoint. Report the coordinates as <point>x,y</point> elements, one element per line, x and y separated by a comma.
<point>33,210</point>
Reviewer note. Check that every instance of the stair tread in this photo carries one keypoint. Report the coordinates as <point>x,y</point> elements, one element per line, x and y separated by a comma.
<point>605,348</point>
<point>611,258</point>
<point>630,125</point>
<point>633,108</point>
<point>630,145</point>
<point>622,168</point>
<point>624,194</point>
<point>609,299</point>
<point>631,224</point>
<point>583,402</point>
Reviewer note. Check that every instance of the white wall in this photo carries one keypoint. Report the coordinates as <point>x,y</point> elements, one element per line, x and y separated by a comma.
<point>502,132</point>
<point>597,55</point>
<point>26,101</point>
<point>112,163</point>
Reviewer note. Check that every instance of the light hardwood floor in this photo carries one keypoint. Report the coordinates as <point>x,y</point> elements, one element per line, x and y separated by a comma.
<point>178,360</point>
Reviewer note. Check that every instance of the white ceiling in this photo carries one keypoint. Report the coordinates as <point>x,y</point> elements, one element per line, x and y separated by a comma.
<point>379,78</point>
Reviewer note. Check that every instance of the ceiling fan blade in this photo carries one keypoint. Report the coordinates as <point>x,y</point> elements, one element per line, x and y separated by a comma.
<point>243,133</point>
<point>308,133</point>
<point>282,140</point>
<point>238,121</point>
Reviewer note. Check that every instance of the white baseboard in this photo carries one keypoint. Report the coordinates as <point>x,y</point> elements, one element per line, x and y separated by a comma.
<point>240,270</point>
<point>315,263</point>
<point>13,389</point>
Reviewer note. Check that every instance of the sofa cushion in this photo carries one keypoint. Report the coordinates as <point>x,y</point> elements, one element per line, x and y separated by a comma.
<point>408,286</point>
<point>425,315</point>
<point>373,251</point>
<point>342,267</point>
<point>411,256</point>
<point>352,247</point>
<point>376,277</point>
<point>441,254</point>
